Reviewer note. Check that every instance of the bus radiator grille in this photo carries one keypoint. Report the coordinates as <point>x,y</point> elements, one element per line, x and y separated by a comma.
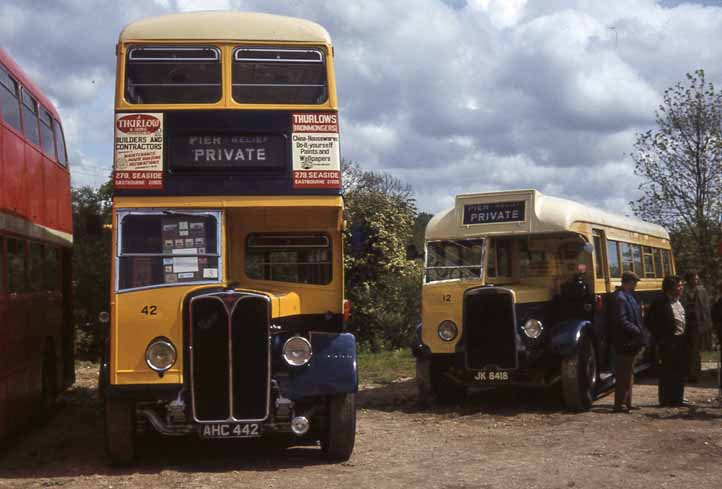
<point>489,329</point>
<point>229,357</point>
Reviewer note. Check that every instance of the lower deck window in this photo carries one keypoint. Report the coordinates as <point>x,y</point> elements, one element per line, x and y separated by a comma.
<point>298,258</point>
<point>167,249</point>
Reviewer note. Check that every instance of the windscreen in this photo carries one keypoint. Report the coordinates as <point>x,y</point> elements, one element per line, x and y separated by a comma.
<point>454,259</point>
<point>167,249</point>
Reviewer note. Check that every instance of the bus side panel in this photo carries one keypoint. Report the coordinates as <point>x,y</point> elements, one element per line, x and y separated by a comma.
<point>35,195</point>
<point>53,176</point>
<point>139,317</point>
<point>13,182</point>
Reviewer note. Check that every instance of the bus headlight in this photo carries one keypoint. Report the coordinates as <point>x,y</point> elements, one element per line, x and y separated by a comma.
<point>297,351</point>
<point>447,330</point>
<point>160,355</point>
<point>533,328</point>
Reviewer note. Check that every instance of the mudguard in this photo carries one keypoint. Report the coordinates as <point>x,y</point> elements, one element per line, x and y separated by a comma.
<point>418,348</point>
<point>332,369</point>
<point>566,335</point>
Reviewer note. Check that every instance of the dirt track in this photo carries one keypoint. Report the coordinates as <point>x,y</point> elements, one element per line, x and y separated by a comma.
<point>496,440</point>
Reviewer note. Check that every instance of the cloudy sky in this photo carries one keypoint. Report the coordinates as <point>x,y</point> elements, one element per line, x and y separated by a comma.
<point>450,96</point>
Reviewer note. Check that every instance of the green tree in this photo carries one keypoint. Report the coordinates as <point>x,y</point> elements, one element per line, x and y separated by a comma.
<point>91,265</point>
<point>382,285</point>
<point>422,219</point>
<point>680,163</point>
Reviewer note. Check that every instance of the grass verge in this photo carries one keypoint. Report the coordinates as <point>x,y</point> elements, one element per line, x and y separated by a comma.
<point>385,367</point>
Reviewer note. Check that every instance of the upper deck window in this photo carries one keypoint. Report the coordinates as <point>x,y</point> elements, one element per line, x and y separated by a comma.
<point>30,118</point>
<point>9,99</point>
<point>279,76</point>
<point>46,133</point>
<point>173,75</point>
<point>60,140</point>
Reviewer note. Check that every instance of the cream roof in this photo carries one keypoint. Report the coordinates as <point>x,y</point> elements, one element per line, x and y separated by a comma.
<point>544,214</point>
<point>225,25</point>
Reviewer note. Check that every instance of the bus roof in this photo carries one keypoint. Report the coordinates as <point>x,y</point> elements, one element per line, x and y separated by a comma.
<point>225,25</point>
<point>17,72</point>
<point>548,215</point>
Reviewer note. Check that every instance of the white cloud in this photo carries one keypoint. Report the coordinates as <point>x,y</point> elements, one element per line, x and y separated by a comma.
<point>450,96</point>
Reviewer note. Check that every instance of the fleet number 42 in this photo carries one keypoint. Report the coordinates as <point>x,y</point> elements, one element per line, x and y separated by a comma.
<point>149,310</point>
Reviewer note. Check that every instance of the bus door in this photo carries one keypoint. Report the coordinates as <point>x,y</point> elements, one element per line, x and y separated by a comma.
<point>602,289</point>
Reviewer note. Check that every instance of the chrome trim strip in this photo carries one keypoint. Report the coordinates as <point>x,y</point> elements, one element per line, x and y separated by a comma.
<point>239,50</point>
<point>212,49</point>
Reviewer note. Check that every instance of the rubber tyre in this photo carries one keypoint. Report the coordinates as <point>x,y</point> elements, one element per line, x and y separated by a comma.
<point>443,390</point>
<point>340,434</point>
<point>120,431</point>
<point>423,381</point>
<point>579,377</point>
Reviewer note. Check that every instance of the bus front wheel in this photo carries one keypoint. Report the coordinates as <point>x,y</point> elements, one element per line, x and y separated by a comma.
<point>340,433</point>
<point>120,431</point>
<point>579,376</point>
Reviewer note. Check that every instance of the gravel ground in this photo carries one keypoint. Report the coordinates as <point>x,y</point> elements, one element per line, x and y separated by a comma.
<point>495,440</point>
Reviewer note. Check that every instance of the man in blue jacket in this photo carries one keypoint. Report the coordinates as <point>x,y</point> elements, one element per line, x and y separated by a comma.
<point>629,338</point>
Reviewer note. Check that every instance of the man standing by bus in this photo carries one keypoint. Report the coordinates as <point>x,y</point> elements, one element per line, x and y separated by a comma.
<point>696,305</point>
<point>629,339</point>
<point>666,321</point>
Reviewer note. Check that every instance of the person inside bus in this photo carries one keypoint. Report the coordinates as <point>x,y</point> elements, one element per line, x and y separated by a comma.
<point>696,304</point>
<point>667,323</point>
<point>629,338</point>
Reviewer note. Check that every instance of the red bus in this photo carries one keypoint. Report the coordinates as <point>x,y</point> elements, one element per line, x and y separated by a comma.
<point>36,334</point>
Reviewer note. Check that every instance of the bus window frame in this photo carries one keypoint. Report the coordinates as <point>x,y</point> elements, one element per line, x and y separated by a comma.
<point>329,245</point>
<point>267,47</point>
<point>124,212</point>
<point>492,251</point>
<point>482,262</point>
<point>14,91</point>
<point>59,134</point>
<point>34,108</point>
<point>188,47</point>
<point>46,119</point>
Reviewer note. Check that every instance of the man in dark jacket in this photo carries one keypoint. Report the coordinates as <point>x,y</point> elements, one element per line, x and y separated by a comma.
<point>697,312</point>
<point>666,321</point>
<point>629,338</point>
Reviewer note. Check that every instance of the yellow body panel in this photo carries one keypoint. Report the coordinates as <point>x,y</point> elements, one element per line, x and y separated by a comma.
<point>131,330</point>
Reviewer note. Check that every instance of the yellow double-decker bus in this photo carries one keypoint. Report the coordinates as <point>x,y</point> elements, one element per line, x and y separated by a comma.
<point>518,292</point>
<point>227,307</point>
